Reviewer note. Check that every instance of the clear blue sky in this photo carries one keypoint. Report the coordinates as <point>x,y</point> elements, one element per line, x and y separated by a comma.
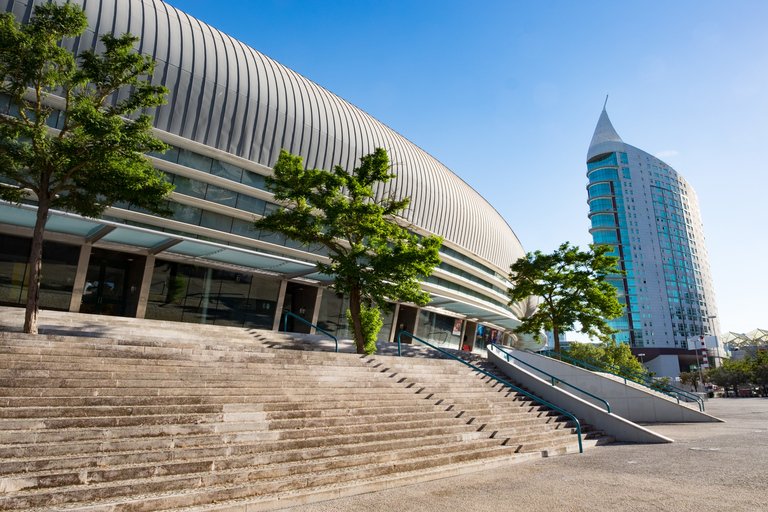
<point>507,94</point>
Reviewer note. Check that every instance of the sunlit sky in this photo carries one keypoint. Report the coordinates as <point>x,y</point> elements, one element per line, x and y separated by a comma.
<point>507,94</point>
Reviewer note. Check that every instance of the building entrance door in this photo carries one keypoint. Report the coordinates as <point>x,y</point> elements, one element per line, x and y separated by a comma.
<point>105,285</point>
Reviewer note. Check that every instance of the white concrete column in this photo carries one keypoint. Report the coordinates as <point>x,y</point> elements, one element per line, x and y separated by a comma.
<point>79,284</point>
<point>279,305</point>
<point>316,312</point>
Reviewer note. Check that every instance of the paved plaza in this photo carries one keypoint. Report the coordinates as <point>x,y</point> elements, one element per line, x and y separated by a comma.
<point>710,467</point>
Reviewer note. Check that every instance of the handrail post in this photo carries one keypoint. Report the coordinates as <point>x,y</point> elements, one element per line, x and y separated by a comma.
<point>512,386</point>
<point>285,327</point>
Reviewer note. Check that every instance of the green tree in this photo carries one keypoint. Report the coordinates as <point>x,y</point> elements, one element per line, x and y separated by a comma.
<point>66,140</point>
<point>373,259</point>
<point>690,379</point>
<point>611,355</point>
<point>573,289</point>
<point>732,373</point>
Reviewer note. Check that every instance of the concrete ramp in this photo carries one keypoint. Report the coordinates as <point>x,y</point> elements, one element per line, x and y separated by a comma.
<point>633,403</point>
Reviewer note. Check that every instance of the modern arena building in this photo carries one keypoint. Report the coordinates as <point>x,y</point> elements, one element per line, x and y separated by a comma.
<point>230,110</point>
<point>650,215</point>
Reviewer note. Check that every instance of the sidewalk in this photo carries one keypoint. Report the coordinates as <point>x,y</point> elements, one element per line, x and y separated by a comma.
<point>710,467</point>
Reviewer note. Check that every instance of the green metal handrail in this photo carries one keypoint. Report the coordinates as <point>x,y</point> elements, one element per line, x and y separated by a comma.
<point>532,397</point>
<point>285,327</point>
<point>552,377</point>
<point>588,366</point>
<point>689,397</point>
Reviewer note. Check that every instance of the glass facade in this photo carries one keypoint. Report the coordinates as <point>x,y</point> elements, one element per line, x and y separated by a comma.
<point>605,214</point>
<point>59,269</point>
<point>187,293</point>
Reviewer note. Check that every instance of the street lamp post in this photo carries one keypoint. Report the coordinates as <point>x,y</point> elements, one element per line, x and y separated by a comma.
<point>717,342</point>
<point>698,363</point>
<point>641,356</point>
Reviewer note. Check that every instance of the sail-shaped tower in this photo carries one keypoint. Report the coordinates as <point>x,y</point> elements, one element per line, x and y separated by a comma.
<point>650,215</point>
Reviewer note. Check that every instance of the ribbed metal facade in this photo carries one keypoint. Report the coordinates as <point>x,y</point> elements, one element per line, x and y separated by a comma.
<point>229,96</point>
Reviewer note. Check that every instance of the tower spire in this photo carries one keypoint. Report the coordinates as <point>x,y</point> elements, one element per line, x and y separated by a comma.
<point>604,135</point>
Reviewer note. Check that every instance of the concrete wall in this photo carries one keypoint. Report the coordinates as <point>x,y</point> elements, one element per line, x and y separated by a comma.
<point>635,404</point>
<point>612,424</point>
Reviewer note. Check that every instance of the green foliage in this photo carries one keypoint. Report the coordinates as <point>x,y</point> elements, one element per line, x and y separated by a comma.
<point>690,379</point>
<point>370,318</point>
<point>66,139</point>
<point>607,354</point>
<point>662,383</point>
<point>573,289</point>
<point>371,256</point>
<point>732,374</point>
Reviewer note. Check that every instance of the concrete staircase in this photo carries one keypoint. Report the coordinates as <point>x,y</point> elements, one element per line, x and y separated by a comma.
<point>218,423</point>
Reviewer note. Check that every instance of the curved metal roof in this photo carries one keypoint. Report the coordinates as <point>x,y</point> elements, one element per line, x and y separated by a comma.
<point>229,96</point>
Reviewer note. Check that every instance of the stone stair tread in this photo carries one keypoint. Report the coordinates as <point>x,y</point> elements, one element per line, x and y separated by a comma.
<point>166,419</point>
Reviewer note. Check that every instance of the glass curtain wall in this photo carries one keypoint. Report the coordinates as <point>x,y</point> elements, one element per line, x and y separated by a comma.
<point>194,294</point>
<point>441,330</point>
<point>59,269</point>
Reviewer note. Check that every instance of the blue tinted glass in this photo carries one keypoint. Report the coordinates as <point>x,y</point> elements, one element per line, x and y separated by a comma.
<point>603,175</point>
<point>195,161</point>
<point>605,162</point>
<point>216,221</point>
<point>250,204</point>
<point>601,205</point>
<point>221,195</point>
<point>229,171</point>
<point>253,180</point>
<point>601,189</point>
<point>189,187</point>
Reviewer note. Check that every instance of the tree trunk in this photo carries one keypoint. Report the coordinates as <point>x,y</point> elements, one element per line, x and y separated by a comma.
<point>36,266</point>
<point>556,335</point>
<point>355,301</point>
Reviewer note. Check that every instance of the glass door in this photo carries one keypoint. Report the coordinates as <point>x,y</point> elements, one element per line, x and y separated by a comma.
<point>105,287</point>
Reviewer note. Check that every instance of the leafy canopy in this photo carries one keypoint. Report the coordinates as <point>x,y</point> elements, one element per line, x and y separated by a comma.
<point>611,354</point>
<point>573,289</point>
<point>64,133</point>
<point>65,138</point>
<point>372,257</point>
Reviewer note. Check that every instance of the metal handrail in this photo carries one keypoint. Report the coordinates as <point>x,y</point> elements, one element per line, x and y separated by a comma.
<point>588,366</point>
<point>690,397</point>
<point>537,399</point>
<point>552,377</point>
<point>285,327</point>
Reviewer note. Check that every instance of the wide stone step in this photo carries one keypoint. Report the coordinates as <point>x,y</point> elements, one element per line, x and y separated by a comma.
<point>259,465</point>
<point>222,448</point>
<point>229,484</point>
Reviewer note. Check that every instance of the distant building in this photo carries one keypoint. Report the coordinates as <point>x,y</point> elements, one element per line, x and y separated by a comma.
<point>649,214</point>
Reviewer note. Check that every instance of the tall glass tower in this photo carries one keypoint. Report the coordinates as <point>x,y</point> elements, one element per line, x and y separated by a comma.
<point>649,214</point>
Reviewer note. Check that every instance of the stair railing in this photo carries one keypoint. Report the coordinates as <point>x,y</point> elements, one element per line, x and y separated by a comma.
<point>285,327</point>
<point>512,386</point>
<point>587,366</point>
<point>552,377</point>
<point>656,383</point>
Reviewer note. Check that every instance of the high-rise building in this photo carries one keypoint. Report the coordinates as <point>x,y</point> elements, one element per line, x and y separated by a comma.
<point>650,215</point>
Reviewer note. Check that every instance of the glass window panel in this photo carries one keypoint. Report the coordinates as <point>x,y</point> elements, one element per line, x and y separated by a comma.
<point>229,171</point>
<point>245,228</point>
<point>250,204</point>
<point>221,195</point>
<point>167,292</point>
<point>332,316</point>
<point>216,221</point>
<point>184,213</point>
<point>195,161</point>
<point>171,154</point>
<point>253,180</point>
<point>189,187</point>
